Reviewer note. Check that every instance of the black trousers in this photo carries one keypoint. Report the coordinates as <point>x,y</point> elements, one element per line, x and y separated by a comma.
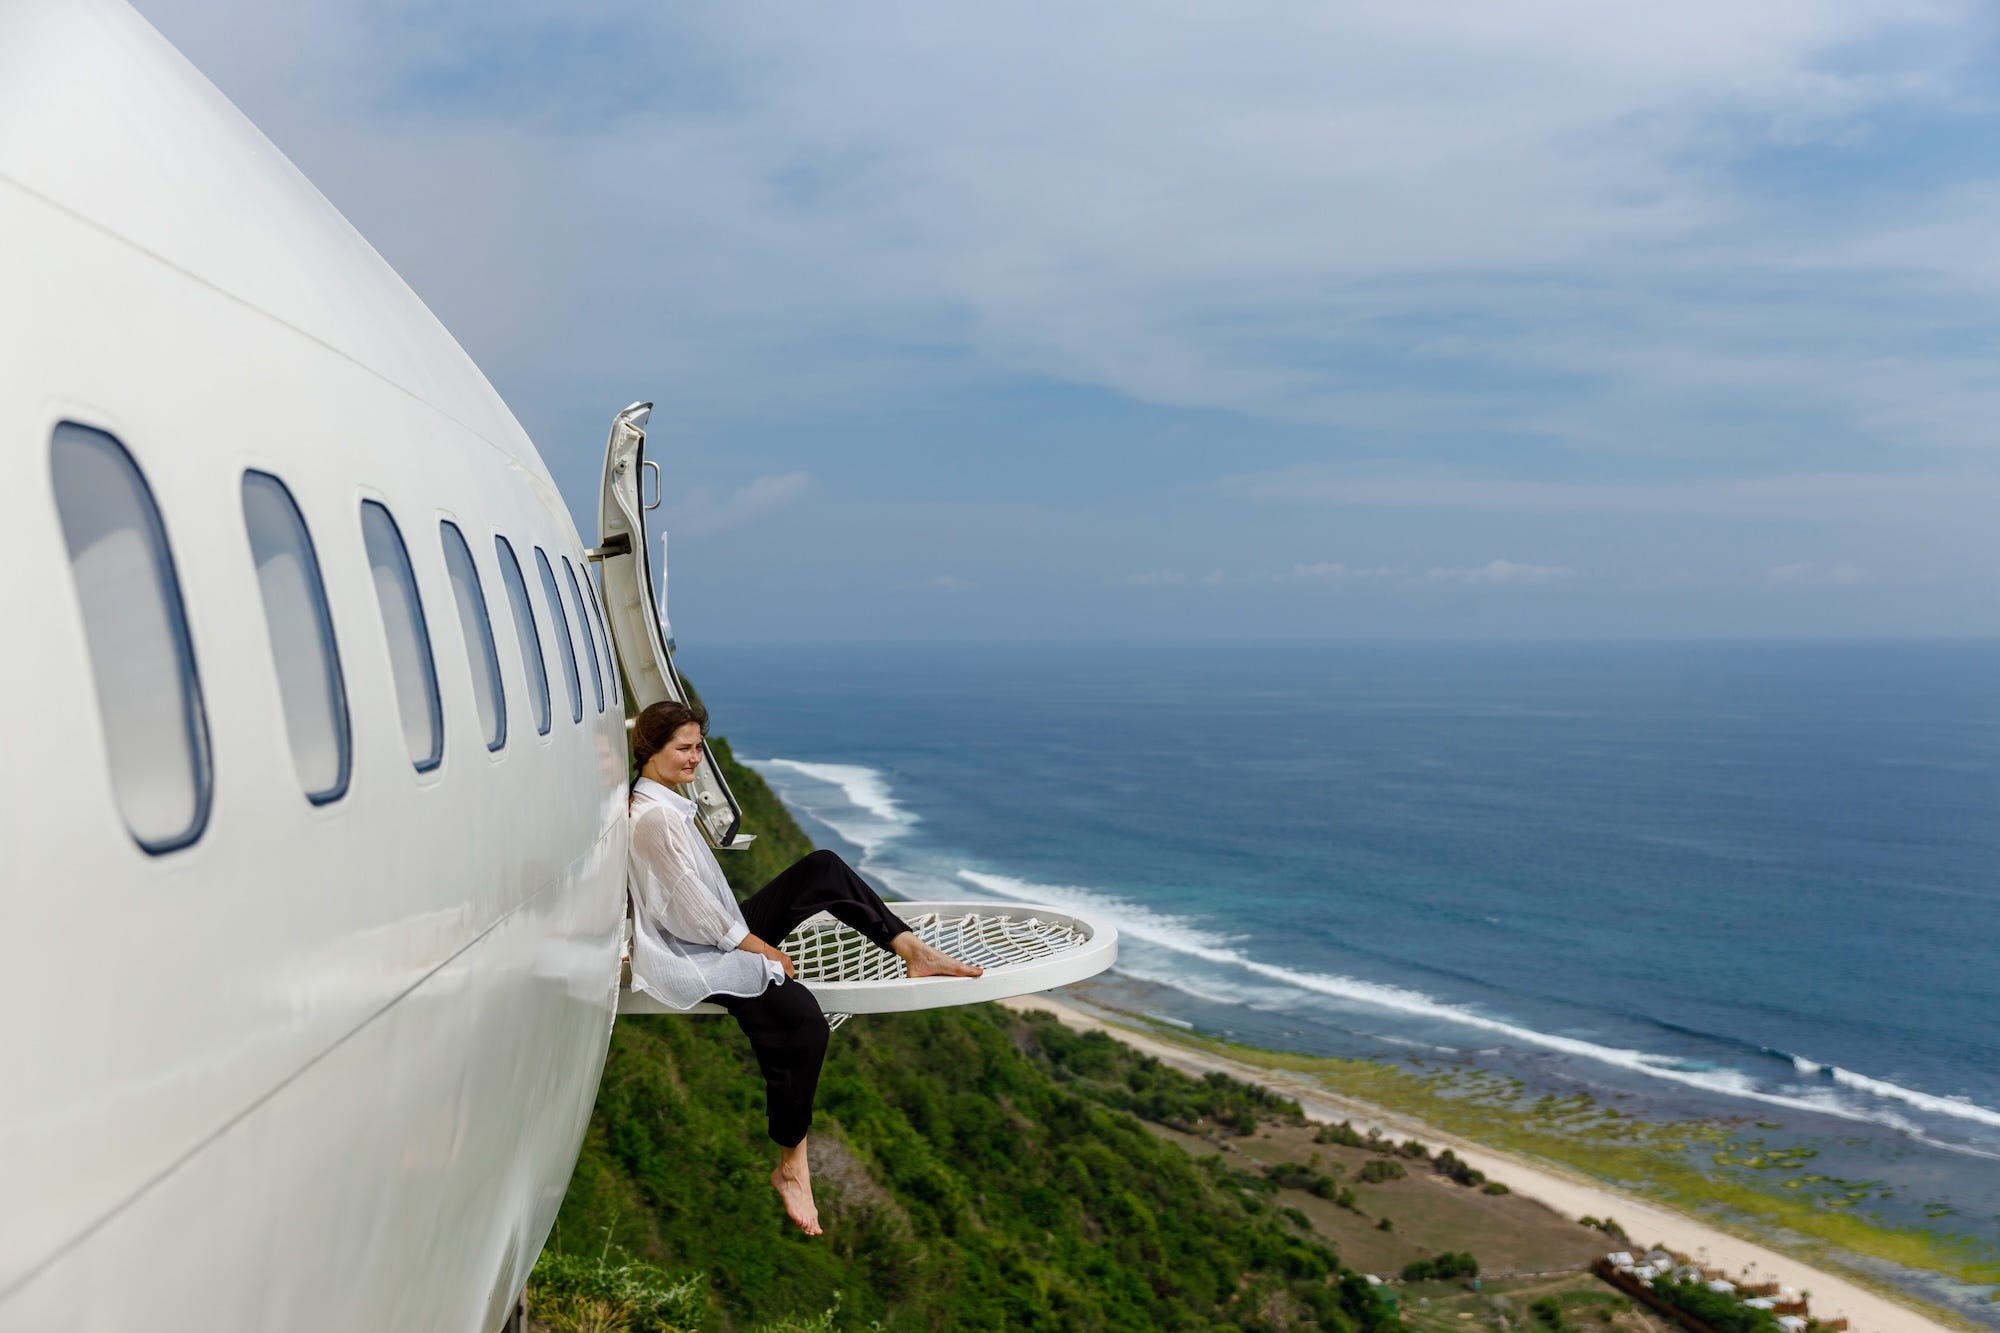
<point>785,1026</point>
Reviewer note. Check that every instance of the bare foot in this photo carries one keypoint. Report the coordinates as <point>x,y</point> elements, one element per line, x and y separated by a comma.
<point>793,1181</point>
<point>921,960</point>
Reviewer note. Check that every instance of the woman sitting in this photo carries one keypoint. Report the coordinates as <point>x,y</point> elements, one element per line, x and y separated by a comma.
<point>693,942</point>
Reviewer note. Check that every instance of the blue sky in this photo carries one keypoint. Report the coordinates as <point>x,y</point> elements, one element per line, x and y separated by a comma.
<point>1526,318</point>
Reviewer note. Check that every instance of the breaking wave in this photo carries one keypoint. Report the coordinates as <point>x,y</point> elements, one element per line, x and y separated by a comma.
<point>866,814</point>
<point>856,802</point>
<point>1185,937</point>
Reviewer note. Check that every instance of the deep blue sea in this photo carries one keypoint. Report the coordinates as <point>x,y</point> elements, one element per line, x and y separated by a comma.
<point>1748,880</point>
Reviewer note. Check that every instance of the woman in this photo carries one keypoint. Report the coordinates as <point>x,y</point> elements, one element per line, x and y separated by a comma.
<point>692,941</point>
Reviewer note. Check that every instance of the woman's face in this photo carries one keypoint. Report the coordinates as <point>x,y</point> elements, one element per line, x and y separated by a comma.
<point>681,757</point>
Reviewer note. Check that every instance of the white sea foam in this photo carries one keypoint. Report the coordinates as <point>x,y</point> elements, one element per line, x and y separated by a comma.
<point>1211,989</point>
<point>1184,936</point>
<point>1961,1108</point>
<point>867,815</point>
<point>865,787</point>
<point>1161,970</point>
<point>1174,932</point>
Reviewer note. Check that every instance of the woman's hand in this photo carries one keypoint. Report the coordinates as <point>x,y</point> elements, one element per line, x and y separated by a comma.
<point>754,945</point>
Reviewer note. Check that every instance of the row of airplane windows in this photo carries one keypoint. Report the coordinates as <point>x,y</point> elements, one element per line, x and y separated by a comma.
<point>143,658</point>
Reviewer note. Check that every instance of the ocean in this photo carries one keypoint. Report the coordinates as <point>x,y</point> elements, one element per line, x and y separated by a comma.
<point>1748,881</point>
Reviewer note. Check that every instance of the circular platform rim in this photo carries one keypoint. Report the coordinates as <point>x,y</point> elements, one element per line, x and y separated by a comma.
<point>901,995</point>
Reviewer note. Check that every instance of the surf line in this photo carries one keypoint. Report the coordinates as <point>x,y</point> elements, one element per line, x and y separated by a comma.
<point>867,792</point>
<point>1183,937</point>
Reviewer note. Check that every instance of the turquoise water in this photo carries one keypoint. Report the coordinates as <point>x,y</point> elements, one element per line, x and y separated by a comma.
<point>1749,880</point>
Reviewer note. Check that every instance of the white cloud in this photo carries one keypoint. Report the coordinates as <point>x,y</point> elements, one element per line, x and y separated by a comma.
<point>1336,572</point>
<point>703,512</point>
<point>1805,574</point>
<point>1193,208</point>
<point>1492,574</point>
<point>1502,573</point>
<point>1797,571</point>
<point>1591,259</point>
<point>1922,497</point>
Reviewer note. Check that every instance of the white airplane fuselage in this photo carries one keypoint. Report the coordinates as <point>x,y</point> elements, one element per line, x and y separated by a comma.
<point>316,1064</point>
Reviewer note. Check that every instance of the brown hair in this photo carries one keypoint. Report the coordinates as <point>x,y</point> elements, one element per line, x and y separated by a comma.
<point>656,725</point>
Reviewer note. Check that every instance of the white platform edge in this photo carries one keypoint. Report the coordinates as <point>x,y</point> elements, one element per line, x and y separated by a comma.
<point>905,995</point>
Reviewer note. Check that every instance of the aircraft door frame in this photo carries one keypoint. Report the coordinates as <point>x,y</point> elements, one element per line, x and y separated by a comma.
<point>622,554</point>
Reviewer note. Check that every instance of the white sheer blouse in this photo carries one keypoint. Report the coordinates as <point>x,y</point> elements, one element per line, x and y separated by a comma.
<point>686,924</point>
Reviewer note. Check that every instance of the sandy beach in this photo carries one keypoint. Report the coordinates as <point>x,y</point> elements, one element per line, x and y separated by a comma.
<point>1647,1223</point>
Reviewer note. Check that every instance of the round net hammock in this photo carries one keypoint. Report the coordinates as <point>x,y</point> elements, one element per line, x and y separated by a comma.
<point>1023,949</point>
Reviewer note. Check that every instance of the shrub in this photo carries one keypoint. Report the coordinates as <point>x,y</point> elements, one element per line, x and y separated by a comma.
<point>1411,1148</point>
<point>570,1292</point>
<point>1494,1187</point>
<point>1548,1312</point>
<point>1343,1133</point>
<point>1608,1226</point>
<point>1441,1268</point>
<point>1450,1167</point>
<point>1378,1169</point>
<point>1721,1311</point>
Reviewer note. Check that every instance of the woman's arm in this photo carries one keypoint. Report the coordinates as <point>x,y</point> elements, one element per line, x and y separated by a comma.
<point>673,891</point>
<point>751,944</point>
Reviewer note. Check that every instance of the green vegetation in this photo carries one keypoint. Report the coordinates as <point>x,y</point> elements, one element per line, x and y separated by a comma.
<point>1292,1176</point>
<point>1494,1187</point>
<point>1794,1210</point>
<point>1453,1169</point>
<point>1111,1073</point>
<point>1343,1133</point>
<point>1378,1169</point>
<point>573,1293</point>
<point>1441,1268</point>
<point>1721,1311</point>
<point>1609,1226</point>
<point>975,1169</point>
<point>1548,1313</point>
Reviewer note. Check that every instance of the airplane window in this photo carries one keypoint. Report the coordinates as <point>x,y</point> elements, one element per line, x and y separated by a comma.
<point>142,660</point>
<point>561,620</point>
<point>525,632</point>
<point>583,625</point>
<point>301,632</point>
<point>409,641</point>
<point>603,640</point>
<point>487,691</point>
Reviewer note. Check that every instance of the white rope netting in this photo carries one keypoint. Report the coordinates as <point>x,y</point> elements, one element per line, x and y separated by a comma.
<point>1023,949</point>
<point>824,949</point>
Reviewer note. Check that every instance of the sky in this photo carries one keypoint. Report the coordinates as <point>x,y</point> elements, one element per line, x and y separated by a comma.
<point>1192,320</point>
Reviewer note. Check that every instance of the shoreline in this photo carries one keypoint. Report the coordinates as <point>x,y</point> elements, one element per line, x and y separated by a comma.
<point>1648,1223</point>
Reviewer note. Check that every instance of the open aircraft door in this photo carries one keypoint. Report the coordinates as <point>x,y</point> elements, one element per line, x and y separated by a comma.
<point>643,654</point>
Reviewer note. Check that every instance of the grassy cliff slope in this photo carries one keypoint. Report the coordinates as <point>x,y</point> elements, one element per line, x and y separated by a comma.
<point>976,1169</point>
